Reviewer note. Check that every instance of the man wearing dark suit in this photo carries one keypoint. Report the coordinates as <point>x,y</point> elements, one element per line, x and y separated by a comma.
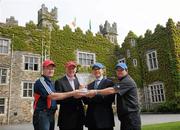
<point>71,112</point>
<point>99,114</point>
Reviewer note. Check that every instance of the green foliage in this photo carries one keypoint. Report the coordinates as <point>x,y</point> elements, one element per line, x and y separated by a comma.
<point>169,106</point>
<point>31,25</point>
<point>163,126</point>
<point>162,40</point>
<point>64,45</point>
<point>134,71</point>
<point>166,42</point>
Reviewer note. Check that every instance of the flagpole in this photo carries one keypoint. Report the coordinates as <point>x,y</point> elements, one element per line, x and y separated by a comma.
<point>90,24</point>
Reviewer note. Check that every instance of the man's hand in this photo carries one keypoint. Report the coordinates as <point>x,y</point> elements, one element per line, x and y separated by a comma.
<point>78,94</point>
<point>91,93</point>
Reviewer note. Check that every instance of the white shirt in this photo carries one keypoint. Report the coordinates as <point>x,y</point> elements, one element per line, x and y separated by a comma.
<point>99,80</point>
<point>71,81</point>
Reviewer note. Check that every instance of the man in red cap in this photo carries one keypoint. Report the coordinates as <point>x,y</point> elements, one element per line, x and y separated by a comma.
<point>44,98</point>
<point>71,113</point>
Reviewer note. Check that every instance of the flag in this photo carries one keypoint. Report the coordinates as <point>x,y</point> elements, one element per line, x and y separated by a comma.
<point>90,25</point>
<point>74,22</point>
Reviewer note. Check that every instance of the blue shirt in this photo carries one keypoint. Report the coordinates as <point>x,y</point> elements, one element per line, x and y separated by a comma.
<point>44,91</point>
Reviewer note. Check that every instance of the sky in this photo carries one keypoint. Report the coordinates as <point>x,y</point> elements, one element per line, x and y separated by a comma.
<point>134,15</point>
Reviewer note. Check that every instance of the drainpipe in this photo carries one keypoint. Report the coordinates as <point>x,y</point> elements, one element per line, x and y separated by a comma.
<point>10,82</point>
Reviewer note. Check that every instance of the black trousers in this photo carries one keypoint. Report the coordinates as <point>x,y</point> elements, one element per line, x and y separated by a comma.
<point>101,128</point>
<point>131,121</point>
<point>77,128</point>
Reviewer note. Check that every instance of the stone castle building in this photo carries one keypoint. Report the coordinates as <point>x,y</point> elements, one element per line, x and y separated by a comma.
<point>108,31</point>
<point>18,72</point>
<point>46,18</point>
<point>20,68</point>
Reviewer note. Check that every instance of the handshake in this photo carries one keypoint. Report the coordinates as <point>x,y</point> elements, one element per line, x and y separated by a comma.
<point>84,92</point>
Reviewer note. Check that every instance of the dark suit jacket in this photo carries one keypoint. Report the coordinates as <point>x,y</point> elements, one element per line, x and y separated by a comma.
<point>99,112</point>
<point>71,113</point>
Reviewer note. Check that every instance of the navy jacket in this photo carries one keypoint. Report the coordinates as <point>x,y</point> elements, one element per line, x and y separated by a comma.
<point>99,112</point>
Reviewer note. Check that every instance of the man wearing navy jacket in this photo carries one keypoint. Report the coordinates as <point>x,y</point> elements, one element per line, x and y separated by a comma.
<point>99,115</point>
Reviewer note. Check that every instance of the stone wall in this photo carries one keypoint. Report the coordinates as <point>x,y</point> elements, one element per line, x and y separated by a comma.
<point>5,62</point>
<point>21,107</point>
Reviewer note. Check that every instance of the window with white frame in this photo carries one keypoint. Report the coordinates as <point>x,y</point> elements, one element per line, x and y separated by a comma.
<point>3,75</point>
<point>2,105</point>
<point>27,89</point>
<point>157,93</point>
<point>152,61</point>
<point>128,53</point>
<point>4,46</point>
<point>123,60</point>
<point>135,62</point>
<point>85,58</point>
<point>31,63</point>
<point>133,42</point>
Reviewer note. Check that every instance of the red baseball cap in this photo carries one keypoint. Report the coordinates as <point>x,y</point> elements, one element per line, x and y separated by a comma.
<point>70,63</point>
<point>48,62</point>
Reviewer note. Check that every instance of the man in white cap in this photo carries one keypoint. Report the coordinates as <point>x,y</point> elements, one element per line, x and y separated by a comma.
<point>127,99</point>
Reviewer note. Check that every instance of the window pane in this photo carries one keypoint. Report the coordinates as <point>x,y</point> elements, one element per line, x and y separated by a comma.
<point>31,59</point>
<point>80,55</point>
<point>2,101</point>
<point>80,61</point>
<point>30,67</point>
<point>26,59</point>
<point>149,56</point>
<point>24,93</point>
<point>84,56</point>
<point>36,60</point>
<point>4,71</point>
<point>5,43</point>
<point>26,66</point>
<point>25,86</point>
<point>151,64</point>
<point>35,66</point>
<point>3,79</point>
<point>1,109</point>
<point>155,64</point>
<point>30,93</point>
<point>5,50</point>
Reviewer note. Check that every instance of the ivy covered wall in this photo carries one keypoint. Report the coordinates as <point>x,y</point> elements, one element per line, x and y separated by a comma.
<point>134,71</point>
<point>166,42</point>
<point>63,45</point>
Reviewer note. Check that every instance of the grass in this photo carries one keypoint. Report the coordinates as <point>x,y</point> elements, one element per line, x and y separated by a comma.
<point>163,126</point>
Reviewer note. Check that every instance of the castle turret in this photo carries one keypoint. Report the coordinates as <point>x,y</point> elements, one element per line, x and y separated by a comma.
<point>108,31</point>
<point>45,18</point>
<point>11,21</point>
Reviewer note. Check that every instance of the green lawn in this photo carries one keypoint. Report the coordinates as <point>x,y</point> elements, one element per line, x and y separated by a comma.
<point>163,126</point>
